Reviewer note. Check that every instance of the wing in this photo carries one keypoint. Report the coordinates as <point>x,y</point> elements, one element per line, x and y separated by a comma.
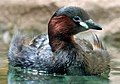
<point>41,43</point>
<point>96,57</point>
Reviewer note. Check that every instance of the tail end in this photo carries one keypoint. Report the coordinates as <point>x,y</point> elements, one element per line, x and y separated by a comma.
<point>16,45</point>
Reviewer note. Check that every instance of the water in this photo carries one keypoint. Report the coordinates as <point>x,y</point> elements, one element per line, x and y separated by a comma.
<point>10,75</point>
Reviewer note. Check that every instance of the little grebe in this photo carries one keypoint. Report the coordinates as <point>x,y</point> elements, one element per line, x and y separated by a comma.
<point>59,52</point>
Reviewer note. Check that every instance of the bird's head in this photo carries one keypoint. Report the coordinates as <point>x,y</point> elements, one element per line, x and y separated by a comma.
<point>68,21</point>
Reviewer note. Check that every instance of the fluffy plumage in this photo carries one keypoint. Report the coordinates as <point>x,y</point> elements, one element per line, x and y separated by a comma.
<point>58,51</point>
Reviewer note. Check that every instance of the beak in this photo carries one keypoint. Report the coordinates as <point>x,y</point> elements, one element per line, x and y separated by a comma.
<point>92,25</point>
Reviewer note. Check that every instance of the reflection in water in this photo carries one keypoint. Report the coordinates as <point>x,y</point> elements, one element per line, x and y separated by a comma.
<point>18,76</point>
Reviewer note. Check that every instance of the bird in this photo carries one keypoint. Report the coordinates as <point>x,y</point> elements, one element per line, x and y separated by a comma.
<point>59,51</point>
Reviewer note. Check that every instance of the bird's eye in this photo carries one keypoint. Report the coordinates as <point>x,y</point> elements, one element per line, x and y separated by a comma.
<point>76,18</point>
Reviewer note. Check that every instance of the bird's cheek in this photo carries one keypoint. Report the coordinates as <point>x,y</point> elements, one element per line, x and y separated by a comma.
<point>84,25</point>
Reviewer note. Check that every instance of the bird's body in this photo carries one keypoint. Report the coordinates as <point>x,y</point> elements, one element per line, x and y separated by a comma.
<point>58,51</point>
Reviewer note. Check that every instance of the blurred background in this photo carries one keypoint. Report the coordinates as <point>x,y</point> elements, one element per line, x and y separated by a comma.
<point>32,16</point>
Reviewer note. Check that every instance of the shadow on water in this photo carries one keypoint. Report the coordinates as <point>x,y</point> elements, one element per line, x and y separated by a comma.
<point>18,76</point>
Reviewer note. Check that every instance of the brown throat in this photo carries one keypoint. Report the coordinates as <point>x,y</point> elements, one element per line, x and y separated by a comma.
<point>59,31</point>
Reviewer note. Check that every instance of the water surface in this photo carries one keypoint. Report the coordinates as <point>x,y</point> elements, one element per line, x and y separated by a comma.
<point>16,76</point>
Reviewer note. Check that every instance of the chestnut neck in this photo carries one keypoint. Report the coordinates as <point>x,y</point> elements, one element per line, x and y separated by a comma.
<point>60,32</point>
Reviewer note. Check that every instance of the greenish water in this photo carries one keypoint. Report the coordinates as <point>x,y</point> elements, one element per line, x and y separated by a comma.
<point>16,76</point>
